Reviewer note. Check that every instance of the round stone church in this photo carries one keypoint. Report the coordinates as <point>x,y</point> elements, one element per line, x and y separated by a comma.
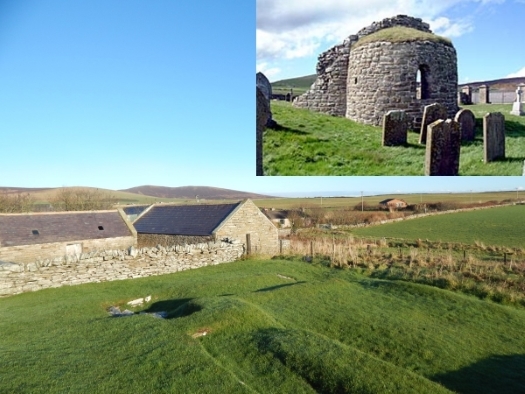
<point>394,64</point>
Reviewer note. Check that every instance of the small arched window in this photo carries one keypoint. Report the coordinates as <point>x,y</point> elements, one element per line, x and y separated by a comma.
<point>423,82</point>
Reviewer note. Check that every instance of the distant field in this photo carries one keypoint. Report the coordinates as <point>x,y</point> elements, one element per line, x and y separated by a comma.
<point>350,202</point>
<point>502,226</point>
<point>309,143</point>
<point>271,326</point>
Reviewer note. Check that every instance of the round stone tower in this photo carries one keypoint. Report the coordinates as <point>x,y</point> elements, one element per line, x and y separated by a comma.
<point>400,68</point>
<point>393,64</point>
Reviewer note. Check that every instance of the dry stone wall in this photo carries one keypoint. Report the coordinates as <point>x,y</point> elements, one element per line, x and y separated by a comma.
<point>382,77</point>
<point>29,253</point>
<point>109,265</point>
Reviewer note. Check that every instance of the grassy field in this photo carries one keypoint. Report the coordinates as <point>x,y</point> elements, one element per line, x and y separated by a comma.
<point>270,326</point>
<point>309,143</point>
<point>503,226</point>
<point>350,202</point>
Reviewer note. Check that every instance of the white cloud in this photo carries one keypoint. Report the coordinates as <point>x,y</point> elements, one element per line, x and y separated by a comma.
<point>520,73</point>
<point>445,27</point>
<point>297,28</point>
<point>268,70</point>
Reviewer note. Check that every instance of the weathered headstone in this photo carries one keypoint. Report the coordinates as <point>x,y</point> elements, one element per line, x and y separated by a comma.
<point>266,89</point>
<point>467,122</point>
<point>516,106</point>
<point>484,94</point>
<point>431,113</point>
<point>443,148</point>
<point>263,114</point>
<point>494,136</point>
<point>395,127</point>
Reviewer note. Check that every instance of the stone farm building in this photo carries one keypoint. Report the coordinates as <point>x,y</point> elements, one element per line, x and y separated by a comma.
<point>167,225</point>
<point>377,70</point>
<point>393,203</point>
<point>279,217</point>
<point>31,237</point>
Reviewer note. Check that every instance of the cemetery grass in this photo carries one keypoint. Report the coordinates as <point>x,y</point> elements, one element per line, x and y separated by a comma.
<point>501,226</point>
<point>272,326</point>
<point>309,143</point>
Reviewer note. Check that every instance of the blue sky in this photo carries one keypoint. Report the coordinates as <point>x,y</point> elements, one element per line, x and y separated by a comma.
<point>487,34</point>
<point>122,93</point>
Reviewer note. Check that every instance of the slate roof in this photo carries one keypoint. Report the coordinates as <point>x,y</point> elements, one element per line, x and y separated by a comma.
<point>134,209</point>
<point>38,228</point>
<point>183,219</point>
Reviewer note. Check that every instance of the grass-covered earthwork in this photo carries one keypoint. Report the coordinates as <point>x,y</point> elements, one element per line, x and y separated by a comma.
<point>267,326</point>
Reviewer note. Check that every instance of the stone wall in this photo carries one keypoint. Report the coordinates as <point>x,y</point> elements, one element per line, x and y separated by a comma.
<point>248,219</point>
<point>29,253</point>
<point>382,77</point>
<point>153,240</point>
<point>336,92</point>
<point>109,265</point>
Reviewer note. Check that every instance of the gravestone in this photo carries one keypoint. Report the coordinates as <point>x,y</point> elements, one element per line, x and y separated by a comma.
<point>443,148</point>
<point>467,123</point>
<point>516,106</point>
<point>431,113</point>
<point>395,127</point>
<point>493,136</point>
<point>263,114</point>
<point>266,89</point>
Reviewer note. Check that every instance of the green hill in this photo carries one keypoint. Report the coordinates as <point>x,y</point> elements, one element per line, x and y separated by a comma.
<point>270,326</point>
<point>299,84</point>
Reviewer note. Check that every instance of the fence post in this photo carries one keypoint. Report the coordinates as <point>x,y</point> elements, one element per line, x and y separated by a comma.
<point>280,246</point>
<point>248,244</point>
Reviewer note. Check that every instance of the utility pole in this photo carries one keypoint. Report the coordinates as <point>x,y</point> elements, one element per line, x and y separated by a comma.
<point>362,207</point>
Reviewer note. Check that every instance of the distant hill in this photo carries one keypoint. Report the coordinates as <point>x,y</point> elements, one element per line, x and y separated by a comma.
<point>303,83</point>
<point>189,192</point>
<point>299,85</point>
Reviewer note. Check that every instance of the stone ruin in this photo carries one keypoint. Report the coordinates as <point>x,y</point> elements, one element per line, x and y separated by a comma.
<point>370,73</point>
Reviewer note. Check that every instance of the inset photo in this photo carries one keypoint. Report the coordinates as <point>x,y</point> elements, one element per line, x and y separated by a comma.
<point>397,90</point>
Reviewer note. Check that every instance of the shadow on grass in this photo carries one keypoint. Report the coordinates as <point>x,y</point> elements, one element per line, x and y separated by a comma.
<point>514,129</point>
<point>174,308</point>
<point>271,288</point>
<point>496,374</point>
<point>278,127</point>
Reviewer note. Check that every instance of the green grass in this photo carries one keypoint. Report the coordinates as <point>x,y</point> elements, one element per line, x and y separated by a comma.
<point>272,327</point>
<point>401,34</point>
<point>309,143</point>
<point>350,202</point>
<point>503,226</point>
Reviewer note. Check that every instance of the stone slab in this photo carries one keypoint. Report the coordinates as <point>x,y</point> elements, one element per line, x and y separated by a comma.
<point>443,148</point>
<point>493,136</point>
<point>431,113</point>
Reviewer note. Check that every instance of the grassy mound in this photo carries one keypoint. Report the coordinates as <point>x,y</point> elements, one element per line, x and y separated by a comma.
<point>264,326</point>
<point>401,34</point>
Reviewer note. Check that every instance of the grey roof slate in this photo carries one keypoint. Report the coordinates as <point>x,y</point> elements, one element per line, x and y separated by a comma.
<point>30,229</point>
<point>183,219</point>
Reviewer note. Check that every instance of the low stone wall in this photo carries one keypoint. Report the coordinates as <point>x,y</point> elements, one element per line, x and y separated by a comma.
<point>109,265</point>
<point>151,240</point>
